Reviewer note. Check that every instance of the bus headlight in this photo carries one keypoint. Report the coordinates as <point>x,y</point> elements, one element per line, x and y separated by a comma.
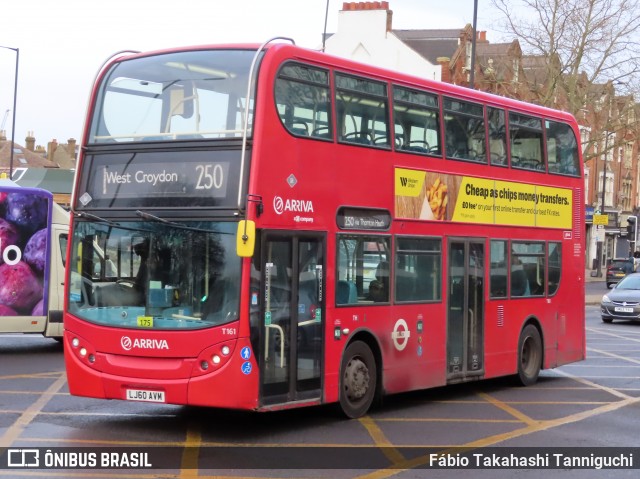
<point>213,358</point>
<point>83,350</point>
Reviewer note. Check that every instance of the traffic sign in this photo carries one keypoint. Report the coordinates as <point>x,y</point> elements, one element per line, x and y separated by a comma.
<point>601,219</point>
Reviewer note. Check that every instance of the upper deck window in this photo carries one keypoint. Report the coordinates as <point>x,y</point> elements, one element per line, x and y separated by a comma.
<point>562,149</point>
<point>303,100</point>
<point>525,133</point>
<point>184,95</point>
<point>464,130</point>
<point>497,136</point>
<point>362,111</point>
<point>417,121</point>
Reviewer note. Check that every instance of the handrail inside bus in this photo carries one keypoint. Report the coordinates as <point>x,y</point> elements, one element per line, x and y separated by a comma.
<point>246,111</point>
<point>170,135</point>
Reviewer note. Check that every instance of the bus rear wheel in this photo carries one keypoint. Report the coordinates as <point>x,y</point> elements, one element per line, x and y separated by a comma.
<point>529,355</point>
<point>358,380</point>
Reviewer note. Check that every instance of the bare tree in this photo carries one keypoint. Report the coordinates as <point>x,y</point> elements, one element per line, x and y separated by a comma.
<point>582,42</point>
<point>583,57</point>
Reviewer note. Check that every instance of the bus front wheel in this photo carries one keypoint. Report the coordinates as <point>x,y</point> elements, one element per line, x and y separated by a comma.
<point>529,355</point>
<point>358,379</point>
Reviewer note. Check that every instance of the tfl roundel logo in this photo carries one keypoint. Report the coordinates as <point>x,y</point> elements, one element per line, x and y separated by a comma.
<point>126,343</point>
<point>278,204</point>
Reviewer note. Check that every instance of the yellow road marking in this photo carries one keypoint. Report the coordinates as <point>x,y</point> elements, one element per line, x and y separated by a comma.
<point>15,430</point>
<point>506,408</point>
<point>617,356</point>
<point>381,440</point>
<point>49,375</point>
<point>586,382</point>
<point>453,419</point>
<point>190,452</point>
<point>497,438</point>
<point>614,335</point>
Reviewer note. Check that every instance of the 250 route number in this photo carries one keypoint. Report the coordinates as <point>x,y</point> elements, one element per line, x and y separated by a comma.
<point>209,177</point>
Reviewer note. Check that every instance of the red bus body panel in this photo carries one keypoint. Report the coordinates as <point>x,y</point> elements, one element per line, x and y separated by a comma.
<point>331,175</point>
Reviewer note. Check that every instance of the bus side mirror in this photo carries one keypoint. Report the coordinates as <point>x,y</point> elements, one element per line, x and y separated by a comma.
<point>246,238</point>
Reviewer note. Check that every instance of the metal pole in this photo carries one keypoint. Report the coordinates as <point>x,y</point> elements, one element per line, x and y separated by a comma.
<point>13,120</point>
<point>473,45</point>
<point>324,33</point>
<point>599,246</point>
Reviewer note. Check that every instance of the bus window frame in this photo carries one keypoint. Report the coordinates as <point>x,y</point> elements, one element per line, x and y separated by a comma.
<point>479,158</point>
<point>341,116</point>
<point>397,104</point>
<point>527,129</point>
<point>359,266</point>
<point>437,274</point>
<point>309,133</point>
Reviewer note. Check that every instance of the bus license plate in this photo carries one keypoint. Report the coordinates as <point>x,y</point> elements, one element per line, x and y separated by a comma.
<point>621,309</point>
<point>147,396</point>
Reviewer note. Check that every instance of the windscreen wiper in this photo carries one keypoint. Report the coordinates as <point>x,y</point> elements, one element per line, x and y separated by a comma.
<point>149,217</point>
<point>91,216</point>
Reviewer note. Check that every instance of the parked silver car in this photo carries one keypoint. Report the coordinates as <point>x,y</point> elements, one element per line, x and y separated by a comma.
<point>623,301</point>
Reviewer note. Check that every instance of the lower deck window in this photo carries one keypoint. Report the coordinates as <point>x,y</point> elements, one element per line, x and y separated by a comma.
<point>363,270</point>
<point>418,269</point>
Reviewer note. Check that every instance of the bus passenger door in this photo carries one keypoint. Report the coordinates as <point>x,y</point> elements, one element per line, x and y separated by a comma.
<point>465,309</point>
<point>292,316</point>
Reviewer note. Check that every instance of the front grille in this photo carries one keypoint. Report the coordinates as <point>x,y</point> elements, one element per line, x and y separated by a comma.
<point>625,303</point>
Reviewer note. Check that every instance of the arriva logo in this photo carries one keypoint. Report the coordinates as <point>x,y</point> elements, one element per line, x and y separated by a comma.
<point>278,205</point>
<point>128,344</point>
<point>297,206</point>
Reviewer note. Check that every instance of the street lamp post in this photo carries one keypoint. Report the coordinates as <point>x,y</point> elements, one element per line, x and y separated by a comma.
<point>13,120</point>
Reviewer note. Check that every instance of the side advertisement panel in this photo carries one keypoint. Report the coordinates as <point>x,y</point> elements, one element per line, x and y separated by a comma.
<point>24,251</point>
<point>434,196</point>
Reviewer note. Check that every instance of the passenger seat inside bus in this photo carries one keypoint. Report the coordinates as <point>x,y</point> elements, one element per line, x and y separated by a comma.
<point>346,292</point>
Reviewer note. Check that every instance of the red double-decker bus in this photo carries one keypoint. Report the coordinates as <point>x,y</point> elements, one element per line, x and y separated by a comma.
<point>264,227</point>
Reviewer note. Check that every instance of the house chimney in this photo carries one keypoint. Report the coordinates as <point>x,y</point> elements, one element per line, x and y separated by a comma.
<point>482,37</point>
<point>370,6</point>
<point>3,135</point>
<point>51,149</point>
<point>71,147</point>
<point>30,141</point>
<point>385,6</point>
<point>365,6</point>
<point>445,72</point>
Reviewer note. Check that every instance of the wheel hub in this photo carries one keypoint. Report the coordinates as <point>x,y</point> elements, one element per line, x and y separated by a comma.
<point>356,379</point>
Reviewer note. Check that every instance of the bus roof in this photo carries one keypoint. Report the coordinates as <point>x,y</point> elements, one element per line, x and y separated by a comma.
<point>285,50</point>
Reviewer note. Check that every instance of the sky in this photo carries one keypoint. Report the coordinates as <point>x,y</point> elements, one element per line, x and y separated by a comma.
<point>63,43</point>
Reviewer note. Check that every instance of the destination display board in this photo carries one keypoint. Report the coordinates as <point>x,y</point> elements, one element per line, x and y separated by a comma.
<point>363,219</point>
<point>160,179</point>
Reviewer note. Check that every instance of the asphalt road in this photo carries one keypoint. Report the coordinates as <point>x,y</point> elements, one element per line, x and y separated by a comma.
<point>591,404</point>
